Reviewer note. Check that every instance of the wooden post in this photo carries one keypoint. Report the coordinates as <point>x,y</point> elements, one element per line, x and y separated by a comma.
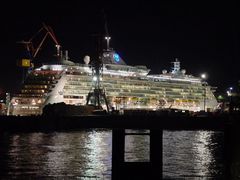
<point>232,151</point>
<point>138,170</point>
<point>156,150</point>
<point>118,148</point>
<point>227,152</point>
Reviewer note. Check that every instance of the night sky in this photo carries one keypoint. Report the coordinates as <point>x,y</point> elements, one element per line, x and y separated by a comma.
<point>204,36</point>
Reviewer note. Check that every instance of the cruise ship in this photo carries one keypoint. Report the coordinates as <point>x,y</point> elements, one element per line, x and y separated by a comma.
<point>126,87</point>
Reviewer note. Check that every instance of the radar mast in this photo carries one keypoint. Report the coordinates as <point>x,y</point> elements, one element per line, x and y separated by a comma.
<point>97,93</point>
<point>107,37</point>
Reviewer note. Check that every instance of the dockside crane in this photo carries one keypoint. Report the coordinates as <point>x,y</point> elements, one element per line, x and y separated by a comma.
<point>33,50</point>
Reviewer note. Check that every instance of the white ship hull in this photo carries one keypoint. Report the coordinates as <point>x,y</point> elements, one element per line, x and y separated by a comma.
<point>126,87</point>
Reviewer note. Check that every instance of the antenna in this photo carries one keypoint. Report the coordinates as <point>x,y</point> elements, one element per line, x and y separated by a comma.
<point>105,23</point>
<point>107,37</point>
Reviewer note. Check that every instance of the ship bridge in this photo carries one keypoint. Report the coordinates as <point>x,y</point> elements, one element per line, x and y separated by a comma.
<point>111,57</point>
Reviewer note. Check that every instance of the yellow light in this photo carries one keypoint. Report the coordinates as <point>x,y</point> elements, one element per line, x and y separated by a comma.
<point>25,63</point>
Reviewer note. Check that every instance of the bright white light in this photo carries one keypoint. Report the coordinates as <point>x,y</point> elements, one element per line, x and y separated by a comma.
<point>203,76</point>
<point>228,93</point>
<point>231,88</point>
<point>33,102</point>
<point>107,38</point>
<point>94,78</point>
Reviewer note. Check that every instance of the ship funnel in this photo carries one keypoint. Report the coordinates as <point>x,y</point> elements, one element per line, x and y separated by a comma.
<point>86,59</point>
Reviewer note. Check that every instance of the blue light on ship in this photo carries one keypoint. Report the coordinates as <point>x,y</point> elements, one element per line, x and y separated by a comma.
<point>116,57</point>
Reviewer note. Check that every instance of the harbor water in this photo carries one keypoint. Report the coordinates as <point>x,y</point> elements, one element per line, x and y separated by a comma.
<point>87,154</point>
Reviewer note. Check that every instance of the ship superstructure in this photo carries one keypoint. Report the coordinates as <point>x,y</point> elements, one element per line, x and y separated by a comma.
<point>126,87</point>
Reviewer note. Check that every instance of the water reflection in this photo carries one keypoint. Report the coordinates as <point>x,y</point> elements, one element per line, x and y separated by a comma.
<point>76,154</point>
<point>193,154</point>
<point>87,153</point>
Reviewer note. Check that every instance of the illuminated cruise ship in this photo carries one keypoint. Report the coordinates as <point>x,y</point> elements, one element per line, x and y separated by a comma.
<point>126,87</point>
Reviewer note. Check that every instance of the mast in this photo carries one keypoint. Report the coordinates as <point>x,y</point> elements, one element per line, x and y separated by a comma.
<point>107,37</point>
<point>97,93</point>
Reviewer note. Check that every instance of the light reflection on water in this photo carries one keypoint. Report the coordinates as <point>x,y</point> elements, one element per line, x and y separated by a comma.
<point>193,154</point>
<point>137,146</point>
<point>87,153</point>
<point>76,154</point>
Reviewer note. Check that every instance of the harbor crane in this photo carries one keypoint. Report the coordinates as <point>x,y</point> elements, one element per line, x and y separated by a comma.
<point>34,50</point>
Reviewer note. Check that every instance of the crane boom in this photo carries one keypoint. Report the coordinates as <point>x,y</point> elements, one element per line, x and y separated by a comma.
<point>39,46</point>
<point>48,32</point>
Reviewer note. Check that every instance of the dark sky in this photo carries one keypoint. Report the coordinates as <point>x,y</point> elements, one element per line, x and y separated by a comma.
<point>204,36</point>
